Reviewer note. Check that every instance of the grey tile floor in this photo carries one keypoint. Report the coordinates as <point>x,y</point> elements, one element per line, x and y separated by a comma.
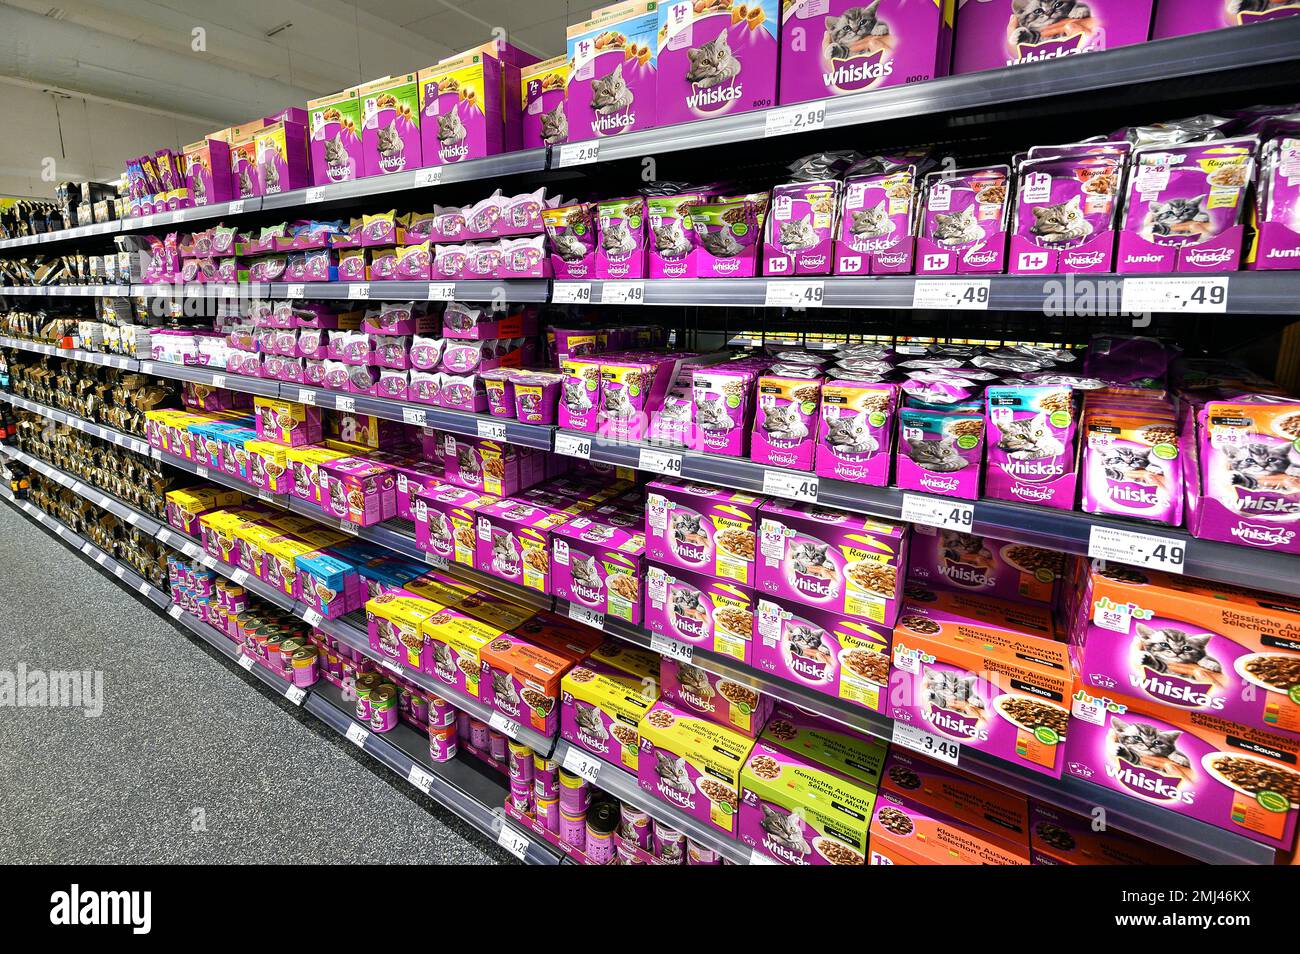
<point>189,762</point>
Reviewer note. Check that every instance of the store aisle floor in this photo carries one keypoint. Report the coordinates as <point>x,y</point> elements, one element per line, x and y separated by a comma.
<point>188,762</point>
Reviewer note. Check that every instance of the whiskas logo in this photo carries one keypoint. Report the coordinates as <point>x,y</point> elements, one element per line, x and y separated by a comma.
<point>892,259</point>
<point>810,669</point>
<point>724,265</point>
<point>980,258</point>
<point>392,163</point>
<point>857,73</point>
<point>1132,495</point>
<point>458,151</point>
<point>693,628</point>
<point>1032,494</point>
<point>714,98</point>
<point>1150,784</point>
<point>783,852</point>
<point>676,796</point>
<point>1148,259</point>
<point>694,700</point>
<point>1263,536</point>
<point>1084,259</point>
<point>600,746</point>
<point>1262,504</point>
<point>955,725</point>
<point>939,484</point>
<point>1034,52</point>
<point>612,125</point>
<point>587,594</point>
<point>964,574</point>
<point>1176,692</point>
<point>814,587</point>
<point>1214,256</point>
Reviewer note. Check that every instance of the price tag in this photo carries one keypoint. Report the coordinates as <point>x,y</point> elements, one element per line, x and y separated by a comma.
<point>579,153</point>
<point>295,291</point>
<point>314,195</point>
<point>240,577</point>
<point>246,662</point>
<point>202,472</point>
<point>947,514</point>
<point>918,740</point>
<point>756,857</point>
<point>441,291</point>
<point>175,612</point>
<point>357,735</point>
<point>236,207</point>
<point>794,294</point>
<point>672,648</point>
<point>268,497</point>
<point>342,403</point>
<point>1137,549</point>
<point>414,415</point>
<point>436,560</point>
<point>587,617</point>
<point>492,430</point>
<point>218,380</point>
<point>155,453</point>
<point>312,618</point>
<point>119,571</point>
<point>347,526</point>
<point>576,293</point>
<point>581,763</point>
<point>961,293</point>
<point>573,445</point>
<point>295,694</point>
<point>1201,294</point>
<point>513,841</point>
<point>420,778</point>
<point>622,293</point>
<point>148,221</point>
<point>306,396</point>
<point>660,462</point>
<point>428,177</point>
<point>794,119</point>
<point>358,292</point>
<point>781,483</point>
<point>143,589</point>
<point>503,725</point>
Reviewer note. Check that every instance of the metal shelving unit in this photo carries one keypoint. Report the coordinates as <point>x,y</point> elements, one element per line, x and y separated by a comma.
<point>128,441</point>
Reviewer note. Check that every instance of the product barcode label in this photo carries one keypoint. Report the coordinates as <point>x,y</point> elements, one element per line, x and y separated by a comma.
<point>492,430</point>
<point>513,841</point>
<point>420,778</point>
<point>295,694</point>
<point>359,292</point>
<point>573,445</point>
<point>587,617</point>
<point>414,415</point>
<point>581,763</point>
<point>622,293</point>
<point>306,396</point>
<point>1137,549</point>
<point>503,725</point>
<point>794,294</point>
<point>794,119</point>
<point>441,291</point>
<point>671,648</point>
<point>579,153</point>
<point>357,735</point>
<point>660,462</point>
<point>428,177</point>
<point>968,293</point>
<point>938,512</point>
<point>578,293</point>
<point>780,483</point>
<point>1202,294</point>
<point>918,740</point>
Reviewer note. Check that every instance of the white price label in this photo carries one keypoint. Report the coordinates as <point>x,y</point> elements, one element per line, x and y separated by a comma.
<point>622,293</point>
<point>143,589</point>
<point>918,740</point>
<point>155,453</point>
<point>314,195</point>
<point>428,177</point>
<point>267,497</point>
<point>660,462</point>
<point>503,725</point>
<point>780,483</point>
<point>202,472</point>
<point>236,207</point>
<point>435,560</point>
<point>295,694</point>
<point>671,648</point>
<point>441,291</point>
<point>579,153</point>
<point>359,292</point>
<point>581,763</point>
<point>240,577</point>
<point>573,445</point>
<point>148,221</point>
<point>346,404</point>
<point>218,380</point>
<point>312,618</point>
<point>1137,549</point>
<point>306,396</point>
<point>513,841</point>
<point>1175,294</point>
<point>794,294</point>
<point>246,662</point>
<point>347,526</point>
<point>794,119</point>
<point>587,617</point>
<point>492,430</point>
<point>947,514</point>
<point>577,293</point>
<point>959,293</point>
<point>175,611</point>
<point>357,735</point>
<point>119,571</point>
<point>756,857</point>
<point>414,415</point>
<point>295,291</point>
<point>420,778</point>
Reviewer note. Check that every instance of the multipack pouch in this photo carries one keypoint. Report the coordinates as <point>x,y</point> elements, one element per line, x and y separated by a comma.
<point>940,451</point>
<point>542,86</point>
<point>855,431</point>
<point>703,693</point>
<point>995,33</point>
<point>522,681</point>
<point>876,233</point>
<point>800,228</point>
<point>611,81</point>
<point>1065,214</point>
<point>1132,463</point>
<point>715,59</point>
<point>969,799</point>
<point>390,125</point>
<point>1031,455</point>
<point>672,239</point>
<point>579,400</point>
<point>599,566</point>
<point>699,610</point>
<point>455,641</point>
<point>963,222</point>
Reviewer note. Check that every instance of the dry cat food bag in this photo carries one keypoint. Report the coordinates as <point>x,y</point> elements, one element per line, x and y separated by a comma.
<point>612,71</point>
<point>1031,451</point>
<point>968,563</point>
<point>964,221</point>
<point>997,33</point>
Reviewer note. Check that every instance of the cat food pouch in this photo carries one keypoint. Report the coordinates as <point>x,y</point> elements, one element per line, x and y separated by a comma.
<point>1186,207</point>
<point>1030,440</point>
<point>390,125</point>
<point>877,226</point>
<point>968,563</point>
<point>598,565</point>
<point>786,422</point>
<point>1180,17</point>
<point>963,221</point>
<point>579,402</point>
<point>715,59</point>
<point>723,409</point>
<point>628,389</point>
<point>997,33</point>
<point>672,239</point>
<point>855,436</point>
<point>940,451</point>
<point>460,109</point>
<point>835,47</point>
<point>729,232</point>
<point>705,529</point>
<point>1132,464</point>
<point>800,228</point>
<point>571,236</point>
<point>1278,242</point>
<point>1065,214</point>
<point>542,87</point>
<point>622,249</point>
<point>335,143</point>
<point>611,82</point>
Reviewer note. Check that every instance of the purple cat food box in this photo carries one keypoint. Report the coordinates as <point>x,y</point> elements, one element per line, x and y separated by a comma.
<point>801,228</point>
<point>1187,206</point>
<point>282,157</point>
<point>786,421</point>
<point>599,566</point>
<point>968,563</point>
<point>715,59</point>
<point>702,528</point>
<point>672,240</point>
<point>1066,208</point>
<point>720,700</point>
<point>612,66</point>
<point>207,172</point>
<point>843,658</point>
<point>1180,17</point>
<point>836,47</point>
<point>940,451</point>
<point>571,237</point>
<point>335,143</point>
<point>461,112</point>
<point>855,431</point>
<point>446,522</point>
<point>622,249</point>
<point>357,490</point>
<point>729,234</point>
<point>390,125</point>
<point>1031,454</point>
<point>700,611</point>
<point>876,234</point>
<point>514,542</point>
<point>831,560</point>
<point>995,33</point>
<point>542,86</point>
<point>723,408</point>
<point>963,222</point>
<point>1277,243</point>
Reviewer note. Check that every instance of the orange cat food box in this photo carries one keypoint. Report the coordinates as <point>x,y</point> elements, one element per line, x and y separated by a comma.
<point>1228,651</point>
<point>521,680</point>
<point>905,833</point>
<point>966,798</point>
<point>1059,837</point>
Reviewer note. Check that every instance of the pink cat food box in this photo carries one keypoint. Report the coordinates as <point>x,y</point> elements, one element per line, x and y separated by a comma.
<point>514,542</point>
<point>461,113</point>
<point>542,87</point>
<point>358,490</point>
<point>1180,17</point>
<point>940,451</point>
<point>446,522</point>
<point>390,125</point>
<point>1031,453</point>
<point>720,700</point>
<point>1201,765</point>
<point>335,143</point>
<point>964,221</point>
<point>831,560</point>
<point>876,233</point>
<point>599,566</point>
<point>843,658</point>
<point>1066,211</point>
<point>702,528</point>
<point>612,67</point>
<point>207,172</point>
<point>837,47</point>
<point>995,33</point>
<point>968,563</point>
<point>700,611</point>
<point>801,228</point>
<point>855,431</point>
<point>715,59</point>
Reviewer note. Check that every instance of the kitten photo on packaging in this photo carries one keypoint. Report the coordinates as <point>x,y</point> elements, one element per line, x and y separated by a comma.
<point>997,33</point>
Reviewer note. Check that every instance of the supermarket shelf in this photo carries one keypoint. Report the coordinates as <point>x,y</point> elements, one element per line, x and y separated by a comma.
<point>505,289</point>
<point>228,291</point>
<point>74,354</point>
<point>227,647</point>
<point>68,291</point>
<point>218,477</point>
<point>95,430</point>
<point>199,375</point>
<point>118,508</point>
<point>62,235</point>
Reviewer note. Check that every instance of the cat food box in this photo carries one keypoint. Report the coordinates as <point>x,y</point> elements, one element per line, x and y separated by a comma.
<point>968,563</point>
<point>598,565</point>
<point>1060,837</point>
<point>876,233</point>
<point>1198,764</point>
<point>521,680</point>
<point>729,232</point>
<point>1031,454</point>
<point>358,490</point>
<point>1221,650</point>
<point>622,249</point>
<point>207,172</point>
<point>702,528</point>
<point>673,240</point>
<point>461,113</point>
<point>184,507</point>
<point>390,125</point>
<point>845,659</point>
<point>964,221</point>
<point>571,237</point>
<point>968,799</point>
<point>808,790</point>
<point>995,33</point>
<point>491,467</point>
<point>831,560</point>
<point>394,625</point>
<point>514,542</point>
<point>1065,213</point>
<point>244,179</point>
<point>1000,629</point>
<point>702,693</point>
<point>836,47</point>
<point>604,697</point>
<point>542,87</point>
<point>786,422</point>
<point>335,143</point>
<point>304,463</point>
<point>1132,463</point>
<point>855,431</point>
<point>1187,206</point>
<point>699,610</point>
<point>903,832</point>
<point>287,422</point>
<point>281,150</point>
<point>692,764</point>
<point>715,59</point>
<point>612,71</point>
<point>455,641</point>
<point>940,451</point>
<point>1180,17</point>
<point>268,467</point>
<point>801,228</point>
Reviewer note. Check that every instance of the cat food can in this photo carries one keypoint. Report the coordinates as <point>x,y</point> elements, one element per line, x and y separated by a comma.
<point>601,822</point>
<point>497,742</point>
<point>627,853</point>
<point>478,735</point>
<point>634,826</point>
<point>383,707</point>
<point>366,684</point>
<point>575,793</point>
<point>547,813</point>
<point>462,725</point>
<point>521,795</point>
<point>521,763</point>
<point>697,854</point>
<point>442,712</point>
<point>289,645</point>
<point>419,708</point>
<point>546,779</point>
<point>669,844</point>
<point>442,743</point>
<point>573,829</point>
<point>306,667</point>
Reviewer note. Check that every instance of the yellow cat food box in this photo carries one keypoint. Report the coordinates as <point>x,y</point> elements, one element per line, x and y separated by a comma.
<point>603,698</point>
